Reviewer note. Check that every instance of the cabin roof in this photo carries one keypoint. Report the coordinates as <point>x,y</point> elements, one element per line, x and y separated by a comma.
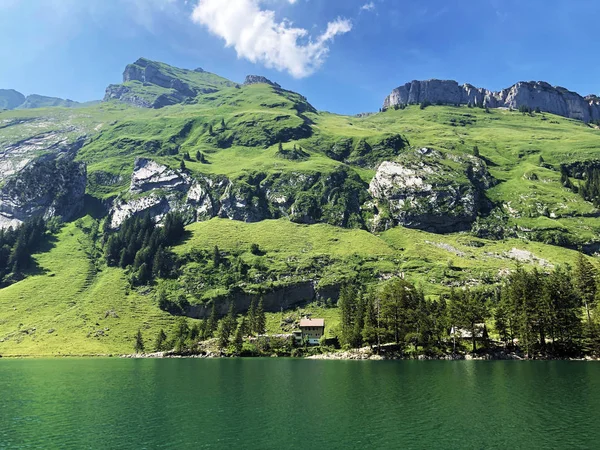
<point>312,322</point>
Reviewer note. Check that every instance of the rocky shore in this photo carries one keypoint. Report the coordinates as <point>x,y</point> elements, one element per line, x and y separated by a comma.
<point>369,354</point>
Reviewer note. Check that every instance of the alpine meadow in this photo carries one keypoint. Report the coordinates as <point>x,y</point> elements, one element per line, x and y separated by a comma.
<point>163,216</point>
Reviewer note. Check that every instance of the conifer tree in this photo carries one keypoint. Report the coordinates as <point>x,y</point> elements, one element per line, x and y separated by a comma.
<point>261,318</point>
<point>181,334</point>
<point>216,256</point>
<point>238,340</point>
<point>586,282</point>
<point>161,339</point>
<point>211,324</point>
<point>252,316</point>
<point>139,342</point>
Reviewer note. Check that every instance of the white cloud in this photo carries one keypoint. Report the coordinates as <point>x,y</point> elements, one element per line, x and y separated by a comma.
<point>368,6</point>
<point>257,36</point>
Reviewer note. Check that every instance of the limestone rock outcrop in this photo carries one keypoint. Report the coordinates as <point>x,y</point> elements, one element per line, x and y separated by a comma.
<point>534,94</point>
<point>49,186</point>
<point>303,197</point>
<point>430,191</point>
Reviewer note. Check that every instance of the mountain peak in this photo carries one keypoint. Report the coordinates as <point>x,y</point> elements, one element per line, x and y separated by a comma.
<point>152,84</point>
<point>258,79</point>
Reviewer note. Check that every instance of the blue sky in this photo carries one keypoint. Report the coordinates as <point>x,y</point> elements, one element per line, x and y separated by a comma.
<point>345,56</point>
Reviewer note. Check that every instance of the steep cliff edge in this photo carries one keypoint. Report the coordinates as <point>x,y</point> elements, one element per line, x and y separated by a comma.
<point>533,95</point>
<point>303,197</point>
<point>430,191</point>
<point>151,84</point>
<point>49,186</point>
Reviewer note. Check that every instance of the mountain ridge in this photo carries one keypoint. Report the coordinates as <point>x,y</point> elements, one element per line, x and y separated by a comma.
<point>11,99</point>
<point>531,95</point>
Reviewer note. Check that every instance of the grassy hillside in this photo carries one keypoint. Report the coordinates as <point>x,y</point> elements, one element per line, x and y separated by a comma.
<point>74,304</point>
<point>69,307</point>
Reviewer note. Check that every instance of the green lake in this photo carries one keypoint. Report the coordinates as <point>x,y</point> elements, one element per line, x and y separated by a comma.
<point>294,403</point>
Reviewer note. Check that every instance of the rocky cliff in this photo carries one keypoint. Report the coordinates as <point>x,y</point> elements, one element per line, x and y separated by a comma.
<point>551,99</point>
<point>257,79</point>
<point>49,186</point>
<point>429,190</point>
<point>304,197</point>
<point>150,84</point>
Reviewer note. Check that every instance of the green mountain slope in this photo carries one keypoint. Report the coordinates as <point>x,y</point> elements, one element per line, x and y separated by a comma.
<point>10,99</point>
<point>444,196</point>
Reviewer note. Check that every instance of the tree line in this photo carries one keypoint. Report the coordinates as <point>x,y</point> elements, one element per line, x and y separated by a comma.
<point>588,188</point>
<point>549,313</point>
<point>229,331</point>
<point>16,247</point>
<point>143,246</point>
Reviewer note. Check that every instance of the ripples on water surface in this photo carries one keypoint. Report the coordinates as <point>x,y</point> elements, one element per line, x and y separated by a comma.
<point>287,403</point>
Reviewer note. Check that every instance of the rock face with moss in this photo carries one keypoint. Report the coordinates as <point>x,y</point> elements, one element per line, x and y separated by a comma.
<point>429,190</point>
<point>533,95</point>
<point>304,197</point>
<point>49,186</point>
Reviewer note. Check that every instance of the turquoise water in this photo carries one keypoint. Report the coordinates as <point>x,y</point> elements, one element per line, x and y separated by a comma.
<point>288,403</point>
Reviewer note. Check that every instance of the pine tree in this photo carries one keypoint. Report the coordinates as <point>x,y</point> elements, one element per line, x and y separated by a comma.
<point>227,327</point>
<point>159,264</point>
<point>210,130</point>
<point>139,342</point>
<point>245,327</point>
<point>163,301</point>
<point>182,166</point>
<point>476,151</point>
<point>369,331</point>
<point>261,318</point>
<point>216,256</point>
<point>223,127</point>
<point>586,283</point>
<point>161,339</point>
<point>252,316</point>
<point>211,325</point>
<point>181,334</point>
<point>143,275</point>
<point>347,306</point>
<point>467,309</point>
<point>238,340</point>
<point>222,335</point>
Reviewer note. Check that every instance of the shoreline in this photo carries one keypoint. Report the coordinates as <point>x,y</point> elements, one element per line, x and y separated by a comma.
<point>360,354</point>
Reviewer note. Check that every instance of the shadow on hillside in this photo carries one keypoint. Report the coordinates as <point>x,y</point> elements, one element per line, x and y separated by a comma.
<point>488,161</point>
<point>187,235</point>
<point>45,246</point>
<point>92,207</point>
